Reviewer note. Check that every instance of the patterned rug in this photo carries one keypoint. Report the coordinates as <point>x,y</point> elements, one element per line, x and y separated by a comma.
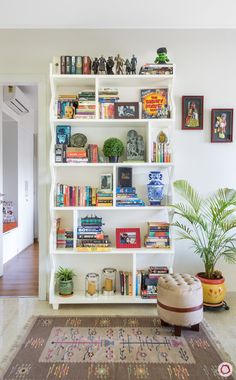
<point>107,348</point>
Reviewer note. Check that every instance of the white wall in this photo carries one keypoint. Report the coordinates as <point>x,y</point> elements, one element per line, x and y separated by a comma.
<point>25,181</point>
<point>118,14</point>
<point>205,65</point>
<point>10,163</point>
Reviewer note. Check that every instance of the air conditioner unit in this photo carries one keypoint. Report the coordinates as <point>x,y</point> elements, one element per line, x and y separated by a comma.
<point>15,99</point>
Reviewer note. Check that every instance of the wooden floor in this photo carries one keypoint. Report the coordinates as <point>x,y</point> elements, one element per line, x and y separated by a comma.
<point>21,274</point>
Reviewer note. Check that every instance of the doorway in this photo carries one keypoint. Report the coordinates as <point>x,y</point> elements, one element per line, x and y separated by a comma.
<point>20,250</point>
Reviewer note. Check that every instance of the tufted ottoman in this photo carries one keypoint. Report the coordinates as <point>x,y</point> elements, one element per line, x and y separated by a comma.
<point>180,301</point>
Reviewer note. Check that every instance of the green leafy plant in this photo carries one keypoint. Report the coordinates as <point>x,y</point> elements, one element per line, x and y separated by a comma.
<point>64,274</point>
<point>211,224</point>
<point>113,147</point>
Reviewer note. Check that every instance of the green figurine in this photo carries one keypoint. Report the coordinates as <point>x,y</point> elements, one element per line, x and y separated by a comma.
<point>162,57</point>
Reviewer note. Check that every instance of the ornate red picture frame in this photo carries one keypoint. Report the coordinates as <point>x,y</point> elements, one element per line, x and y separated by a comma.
<point>128,238</point>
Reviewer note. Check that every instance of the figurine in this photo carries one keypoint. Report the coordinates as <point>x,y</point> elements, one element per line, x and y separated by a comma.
<point>162,57</point>
<point>95,66</point>
<point>102,65</point>
<point>109,65</point>
<point>133,64</point>
<point>119,64</point>
<point>135,146</point>
<point>127,67</point>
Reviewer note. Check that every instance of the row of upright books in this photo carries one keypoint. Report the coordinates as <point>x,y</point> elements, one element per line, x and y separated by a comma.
<point>126,283</point>
<point>82,196</point>
<point>158,235</point>
<point>147,281</point>
<point>75,64</point>
<point>161,152</point>
<point>72,106</point>
<point>127,196</point>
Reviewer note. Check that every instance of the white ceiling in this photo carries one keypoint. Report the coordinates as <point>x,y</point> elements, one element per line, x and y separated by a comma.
<point>118,14</point>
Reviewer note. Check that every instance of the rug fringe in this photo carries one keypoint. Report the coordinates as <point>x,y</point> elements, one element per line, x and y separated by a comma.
<point>16,346</point>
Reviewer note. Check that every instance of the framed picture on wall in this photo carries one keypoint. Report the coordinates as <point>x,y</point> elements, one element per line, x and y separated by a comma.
<point>192,112</point>
<point>128,238</point>
<point>222,125</point>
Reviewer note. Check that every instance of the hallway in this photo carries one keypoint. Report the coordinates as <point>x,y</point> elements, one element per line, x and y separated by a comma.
<point>21,274</point>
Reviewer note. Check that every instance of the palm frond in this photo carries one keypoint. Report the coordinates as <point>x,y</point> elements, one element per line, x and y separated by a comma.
<point>185,190</point>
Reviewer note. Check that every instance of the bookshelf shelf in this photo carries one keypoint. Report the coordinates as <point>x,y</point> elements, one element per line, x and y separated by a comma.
<point>116,251</point>
<point>97,131</point>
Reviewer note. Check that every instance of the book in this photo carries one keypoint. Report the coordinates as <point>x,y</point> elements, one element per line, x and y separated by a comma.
<point>68,64</point>
<point>124,177</point>
<point>60,153</point>
<point>73,65</point>
<point>154,103</point>
<point>63,134</point>
<point>86,65</point>
<point>79,65</point>
<point>63,64</point>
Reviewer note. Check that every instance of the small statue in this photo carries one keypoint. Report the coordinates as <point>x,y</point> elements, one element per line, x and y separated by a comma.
<point>102,65</point>
<point>134,62</point>
<point>109,65</point>
<point>119,64</point>
<point>135,146</point>
<point>127,67</point>
<point>95,65</point>
<point>162,57</point>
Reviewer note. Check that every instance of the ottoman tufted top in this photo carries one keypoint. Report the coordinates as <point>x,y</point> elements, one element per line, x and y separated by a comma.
<point>178,282</point>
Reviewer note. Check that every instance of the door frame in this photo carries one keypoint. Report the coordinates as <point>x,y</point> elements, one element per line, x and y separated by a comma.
<point>43,169</point>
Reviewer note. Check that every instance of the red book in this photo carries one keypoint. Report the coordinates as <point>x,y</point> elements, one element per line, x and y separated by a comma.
<point>86,65</point>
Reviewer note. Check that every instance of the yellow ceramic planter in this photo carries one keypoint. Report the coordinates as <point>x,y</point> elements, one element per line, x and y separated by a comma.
<point>213,290</point>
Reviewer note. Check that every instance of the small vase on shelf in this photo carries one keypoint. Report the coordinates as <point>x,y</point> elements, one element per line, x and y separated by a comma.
<point>155,188</point>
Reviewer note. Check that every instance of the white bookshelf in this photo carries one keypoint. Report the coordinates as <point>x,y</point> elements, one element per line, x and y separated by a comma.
<point>97,131</point>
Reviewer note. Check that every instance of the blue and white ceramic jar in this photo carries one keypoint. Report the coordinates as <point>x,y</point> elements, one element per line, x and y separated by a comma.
<point>155,188</point>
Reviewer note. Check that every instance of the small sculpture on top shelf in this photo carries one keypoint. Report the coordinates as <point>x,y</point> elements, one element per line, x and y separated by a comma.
<point>95,65</point>
<point>162,57</point>
<point>134,62</point>
<point>119,64</point>
<point>135,146</point>
<point>155,188</point>
<point>102,65</point>
<point>127,67</point>
<point>109,65</point>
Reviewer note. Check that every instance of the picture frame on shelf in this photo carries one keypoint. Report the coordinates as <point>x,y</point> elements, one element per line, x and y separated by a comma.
<point>124,177</point>
<point>128,238</point>
<point>222,125</point>
<point>126,110</point>
<point>106,182</point>
<point>192,112</point>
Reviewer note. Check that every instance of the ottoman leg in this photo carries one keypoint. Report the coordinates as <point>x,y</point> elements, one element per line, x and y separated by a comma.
<point>163,323</point>
<point>195,327</point>
<point>177,330</point>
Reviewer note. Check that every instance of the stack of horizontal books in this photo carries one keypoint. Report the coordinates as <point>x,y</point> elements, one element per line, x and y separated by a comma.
<point>64,238</point>
<point>147,281</point>
<point>90,236</point>
<point>127,196</point>
<point>86,108</point>
<point>158,235</point>
<point>107,98</point>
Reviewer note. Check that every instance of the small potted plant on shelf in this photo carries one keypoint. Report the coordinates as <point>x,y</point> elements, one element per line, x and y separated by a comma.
<point>65,281</point>
<point>210,227</point>
<point>113,149</point>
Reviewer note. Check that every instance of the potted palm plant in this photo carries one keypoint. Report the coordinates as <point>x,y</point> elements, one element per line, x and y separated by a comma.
<point>113,149</point>
<point>210,227</point>
<point>65,281</point>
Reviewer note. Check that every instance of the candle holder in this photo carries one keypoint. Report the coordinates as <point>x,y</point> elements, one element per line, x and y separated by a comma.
<point>92,285</point>
<point>109,281</point>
